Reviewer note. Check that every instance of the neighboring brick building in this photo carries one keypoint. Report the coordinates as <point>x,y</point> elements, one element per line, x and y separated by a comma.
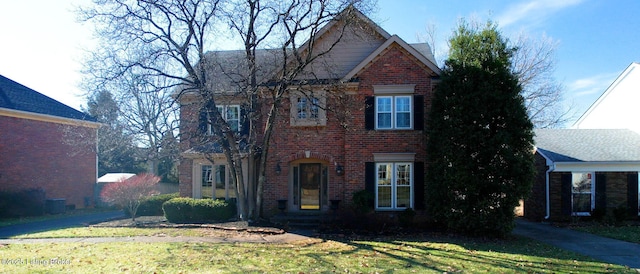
<point>46,145</point>
<point>581,172</point>
<point>365,132</point>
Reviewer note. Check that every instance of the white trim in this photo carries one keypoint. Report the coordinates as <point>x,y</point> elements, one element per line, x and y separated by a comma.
<point>597,166</point>
<point>47,118</point>
<point>394,112</point>
<point>394,157</point>
<point>394,186</point>
<point>394,89</point>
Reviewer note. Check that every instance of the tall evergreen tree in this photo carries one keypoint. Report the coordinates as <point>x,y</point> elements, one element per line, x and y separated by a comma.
<point>480,137</point>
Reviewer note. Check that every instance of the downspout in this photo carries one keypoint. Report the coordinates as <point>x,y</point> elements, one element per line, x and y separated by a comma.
<point>547,186</point>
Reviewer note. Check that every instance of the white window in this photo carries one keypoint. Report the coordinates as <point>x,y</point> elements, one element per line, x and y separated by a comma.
<point>582,193</point>
<point>394,112</point>
<point>308,109</point>
<point>231,114</point>
<point>394,186</point>
<point>215,183</point>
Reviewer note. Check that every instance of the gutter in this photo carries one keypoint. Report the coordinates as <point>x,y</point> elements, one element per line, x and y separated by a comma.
<point>547,194</point>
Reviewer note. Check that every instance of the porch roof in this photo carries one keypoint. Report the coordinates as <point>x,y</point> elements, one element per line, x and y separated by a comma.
<point>588,145</point>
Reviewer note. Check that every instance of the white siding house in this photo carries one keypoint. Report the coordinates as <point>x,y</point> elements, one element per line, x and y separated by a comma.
<point>617,107</point>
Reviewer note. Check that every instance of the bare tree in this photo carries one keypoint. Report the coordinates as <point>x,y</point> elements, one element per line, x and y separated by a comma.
<point>534,64</point>
<point>170,40</point>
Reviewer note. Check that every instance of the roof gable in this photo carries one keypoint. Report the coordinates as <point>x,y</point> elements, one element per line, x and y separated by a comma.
<point>395,39</point>
<point>15,96</point>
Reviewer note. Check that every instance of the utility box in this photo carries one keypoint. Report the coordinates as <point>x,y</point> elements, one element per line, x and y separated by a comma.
<point>55,206</point>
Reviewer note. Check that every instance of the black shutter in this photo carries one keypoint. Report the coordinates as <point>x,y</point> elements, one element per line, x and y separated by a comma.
<point>202,121</point>
<point>601,191</point>
<point>418,112</point>
<point>244,121</point>
<point>632,194</point>
<point>418,185</point>
<point>370,180</point>
<point>565,195</point>
<point>369,113</point>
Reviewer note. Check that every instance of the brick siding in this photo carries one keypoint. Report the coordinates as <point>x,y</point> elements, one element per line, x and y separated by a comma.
<point>61,159</point>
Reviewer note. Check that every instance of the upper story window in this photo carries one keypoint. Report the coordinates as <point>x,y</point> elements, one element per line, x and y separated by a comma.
<point>231,114</point>
<point>308,109</point>
<point>394,107</point>
<point>394,112</point>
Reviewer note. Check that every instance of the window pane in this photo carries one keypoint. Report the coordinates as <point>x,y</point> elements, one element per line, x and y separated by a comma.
<point>383,104</point>
<point>581,183</point>
<point>384,120</point>
<point>403,104</point>
<point>302,108</point>
<point>233,117</point>
<point>403,198</point>
<point>384,174</point>
<point>207,182</point>
<point>403,120</point>
<point>403,175</point>
<point>384,196</point>
<point>582,202</point>
<point>314,108</point>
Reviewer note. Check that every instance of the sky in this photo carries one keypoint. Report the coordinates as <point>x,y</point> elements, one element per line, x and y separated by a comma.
<point>42,45</point>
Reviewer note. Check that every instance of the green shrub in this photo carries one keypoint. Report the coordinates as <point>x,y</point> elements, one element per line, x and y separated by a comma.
<point>22,203</point>
<point>189,210</point>
<point>152,205</point>
<point>363,201</point>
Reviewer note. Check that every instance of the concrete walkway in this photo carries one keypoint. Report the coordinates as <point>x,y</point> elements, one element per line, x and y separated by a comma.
<point>600,248</point>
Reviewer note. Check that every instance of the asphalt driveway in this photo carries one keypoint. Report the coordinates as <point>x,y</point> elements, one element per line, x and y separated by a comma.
<point>72,221</point>
<point>600,248</point>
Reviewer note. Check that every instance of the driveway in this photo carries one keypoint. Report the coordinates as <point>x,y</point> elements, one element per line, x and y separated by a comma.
<point>73,221</point>
<point>600,248</point>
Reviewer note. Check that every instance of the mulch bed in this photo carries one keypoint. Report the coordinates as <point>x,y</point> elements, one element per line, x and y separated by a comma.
<point>161,222</point>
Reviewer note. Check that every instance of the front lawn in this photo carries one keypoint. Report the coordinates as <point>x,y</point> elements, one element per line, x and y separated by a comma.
<point>628,233</point>
<point>414,254</point>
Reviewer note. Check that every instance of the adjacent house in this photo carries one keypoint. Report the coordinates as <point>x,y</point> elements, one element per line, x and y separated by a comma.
<point>365,132</point>
<point>581,172</point>
<point>617,107</point>
<point>46,145</point>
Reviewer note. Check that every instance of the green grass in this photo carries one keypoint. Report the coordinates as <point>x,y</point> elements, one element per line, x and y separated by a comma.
<point>88,232</point>
<point>629,233</point>
<point>418,254</point>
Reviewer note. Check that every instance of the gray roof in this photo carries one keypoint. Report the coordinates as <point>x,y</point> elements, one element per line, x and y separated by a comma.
<point>18,97</point>
<point>588,145</point>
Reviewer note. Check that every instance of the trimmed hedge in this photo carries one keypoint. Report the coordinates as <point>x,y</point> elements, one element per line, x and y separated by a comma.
<point>22,203</point>
<point>190,210</point>
<point>152,205</point>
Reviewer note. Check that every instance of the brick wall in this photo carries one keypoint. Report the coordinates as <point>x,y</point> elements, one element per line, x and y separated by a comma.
<point>58,158</point>
<point>535,204</point>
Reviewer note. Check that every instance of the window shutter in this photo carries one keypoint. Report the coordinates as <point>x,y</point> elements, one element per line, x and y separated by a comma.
<point>244,121</point>
<point>601,191</point>
<point>418,185</point>
<point>370,179</point>
<point>202,121</point>
<point>418,112</point>
<point>632,194</point>
<point>565,195</point>
<point>369,113</point>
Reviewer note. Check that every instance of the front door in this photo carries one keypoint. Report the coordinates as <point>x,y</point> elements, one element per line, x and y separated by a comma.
<point>310,184</point>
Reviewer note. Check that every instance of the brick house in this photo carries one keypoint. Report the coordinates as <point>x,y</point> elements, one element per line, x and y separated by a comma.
<point>584,171</point>
<point>365,132</point>
<point>46,145</point>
